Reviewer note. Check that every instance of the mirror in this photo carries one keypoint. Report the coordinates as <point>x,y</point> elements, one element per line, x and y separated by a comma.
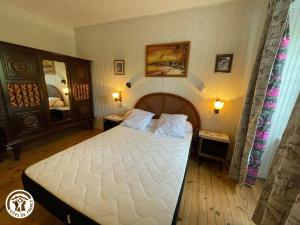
<point>57,88</point>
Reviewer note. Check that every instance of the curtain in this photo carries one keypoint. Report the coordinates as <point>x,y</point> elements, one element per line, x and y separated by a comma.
<point>272,34</point>
<point>279,203</point>
<point>269,106</point>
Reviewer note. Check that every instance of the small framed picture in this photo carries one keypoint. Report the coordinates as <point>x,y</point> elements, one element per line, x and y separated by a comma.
<point>49,67</point>
<point>119,66</point>
<point>223,63</point>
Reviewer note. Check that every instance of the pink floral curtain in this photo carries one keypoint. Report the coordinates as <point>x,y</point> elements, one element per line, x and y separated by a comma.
<point>279,202</point>
<point>269,106</point>
<point>267,56</point>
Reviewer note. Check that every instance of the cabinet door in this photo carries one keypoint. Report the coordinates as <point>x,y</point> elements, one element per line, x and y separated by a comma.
<point>81,89</point>
<point>21,83</point>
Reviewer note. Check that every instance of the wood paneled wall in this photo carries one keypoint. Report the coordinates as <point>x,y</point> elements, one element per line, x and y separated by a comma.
<point>224,28</point>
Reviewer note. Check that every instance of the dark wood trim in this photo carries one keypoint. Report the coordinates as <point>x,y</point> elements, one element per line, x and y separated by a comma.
<point>55,54</point>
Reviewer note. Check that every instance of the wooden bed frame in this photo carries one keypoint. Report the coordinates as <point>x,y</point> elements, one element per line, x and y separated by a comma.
<point>157,103</point>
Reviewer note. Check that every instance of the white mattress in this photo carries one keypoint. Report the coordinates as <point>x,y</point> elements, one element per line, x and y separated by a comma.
<point>122,176</point>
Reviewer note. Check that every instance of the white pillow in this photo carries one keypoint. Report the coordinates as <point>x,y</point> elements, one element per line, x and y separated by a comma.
<point>172,125</point>
<point>138,119</point>
<point>52,101</point>
<point>188,126</point>
<point>153,123</point>
<point>59,103</point>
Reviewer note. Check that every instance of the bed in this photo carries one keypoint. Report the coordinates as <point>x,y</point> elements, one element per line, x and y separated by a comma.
<point>121,176</point>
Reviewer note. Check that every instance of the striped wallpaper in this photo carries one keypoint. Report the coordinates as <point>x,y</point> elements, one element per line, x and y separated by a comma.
<point>224,28</point>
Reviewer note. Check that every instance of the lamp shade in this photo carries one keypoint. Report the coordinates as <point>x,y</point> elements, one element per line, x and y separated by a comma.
<point>218,105</point>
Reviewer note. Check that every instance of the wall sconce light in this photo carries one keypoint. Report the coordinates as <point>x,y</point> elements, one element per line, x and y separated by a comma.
<point>66,91</point>
<point>218,104</point>
<point>128,84</point>
<point>117,96</point>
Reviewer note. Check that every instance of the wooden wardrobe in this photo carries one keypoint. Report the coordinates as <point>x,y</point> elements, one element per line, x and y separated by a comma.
<point>25,102</point>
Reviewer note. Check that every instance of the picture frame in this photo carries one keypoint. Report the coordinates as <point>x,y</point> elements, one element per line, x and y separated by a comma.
<point>167,60</point>
<point>48,66</point>
<point>223,63</point>
<point>119,67</point>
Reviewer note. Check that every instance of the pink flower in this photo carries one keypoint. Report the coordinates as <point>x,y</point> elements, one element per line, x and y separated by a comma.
<point>263,135</point>
<point>270,105</point>
<point>285,42</point>
<point>259,146</point>
<point>273,92</point>
<point>251,172</point>
<point>281,56</point>
<point>276,77</point>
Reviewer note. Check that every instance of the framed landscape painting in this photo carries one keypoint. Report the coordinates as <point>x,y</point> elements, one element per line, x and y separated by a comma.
<point>167,60</point>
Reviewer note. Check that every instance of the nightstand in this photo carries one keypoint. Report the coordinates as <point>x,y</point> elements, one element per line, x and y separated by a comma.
<point>60,114</point>
<point>112,121</point>
<point>213,145</point>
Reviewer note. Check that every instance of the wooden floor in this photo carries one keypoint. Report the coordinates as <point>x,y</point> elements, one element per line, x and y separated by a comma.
<point>208,197</point>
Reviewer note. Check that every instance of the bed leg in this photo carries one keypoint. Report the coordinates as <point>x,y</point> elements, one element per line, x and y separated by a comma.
<point>1,153</point>
<point>91,125</point>
<point>17,151</point>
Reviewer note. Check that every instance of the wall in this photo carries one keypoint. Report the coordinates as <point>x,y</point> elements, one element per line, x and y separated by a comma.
<point>20,27</point>
<point>223,28</point>
<point>289,90</point>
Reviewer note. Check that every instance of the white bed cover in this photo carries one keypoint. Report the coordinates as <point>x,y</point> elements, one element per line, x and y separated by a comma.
<point>122,176</point>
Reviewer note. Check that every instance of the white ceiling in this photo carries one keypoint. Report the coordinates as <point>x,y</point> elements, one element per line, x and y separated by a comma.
<point>77,13</point>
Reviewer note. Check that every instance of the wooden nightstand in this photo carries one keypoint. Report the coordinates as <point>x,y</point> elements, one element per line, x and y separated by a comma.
<point>60,114</point>
<point>213,145</point>
<point>112,121</point>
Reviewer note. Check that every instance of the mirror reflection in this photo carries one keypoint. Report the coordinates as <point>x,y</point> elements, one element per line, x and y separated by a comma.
<point>57,88</point>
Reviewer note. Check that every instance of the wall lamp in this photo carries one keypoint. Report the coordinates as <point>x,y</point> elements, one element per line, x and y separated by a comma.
<point>218,105</point>
<point>117,96</point>
<point>128,84</point>
<point>66,91</point>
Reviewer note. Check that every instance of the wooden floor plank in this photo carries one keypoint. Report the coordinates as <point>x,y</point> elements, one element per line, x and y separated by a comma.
<point>217,192</point>
<point>195,194</point>
<point>211,212</point>
<point>186,217</point>
<point>202,196</point>
<point>239,216</point>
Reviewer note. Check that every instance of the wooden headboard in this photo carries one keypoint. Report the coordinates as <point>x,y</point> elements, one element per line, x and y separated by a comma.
<point>159,103</point>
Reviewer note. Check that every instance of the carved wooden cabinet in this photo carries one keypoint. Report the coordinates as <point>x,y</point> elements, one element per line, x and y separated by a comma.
<point>24,102</point>
<point>81,88</point>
